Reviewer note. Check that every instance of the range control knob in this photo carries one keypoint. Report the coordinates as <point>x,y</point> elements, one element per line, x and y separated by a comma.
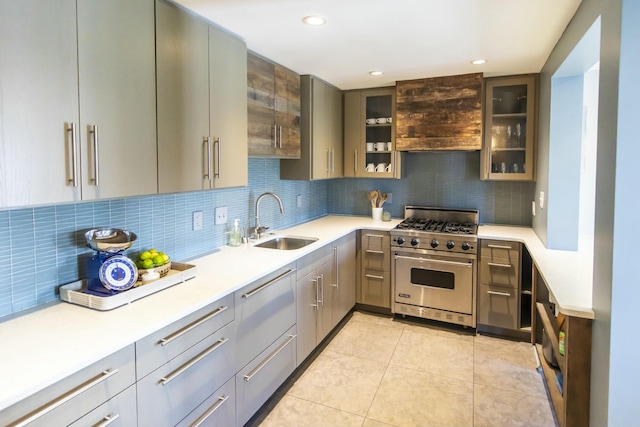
<point>434,243</point>
<point>400,240</point>
<point>466,246</point>
<point>414,242</point>
<point>450,244</point>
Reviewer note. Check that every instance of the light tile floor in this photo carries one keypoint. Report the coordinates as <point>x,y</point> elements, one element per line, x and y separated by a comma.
<point>381,372</point>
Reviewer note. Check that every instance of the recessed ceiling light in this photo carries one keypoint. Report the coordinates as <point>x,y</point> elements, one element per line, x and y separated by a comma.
<point>314,20</point>
<point>375,73</point>
<point>479,61</point>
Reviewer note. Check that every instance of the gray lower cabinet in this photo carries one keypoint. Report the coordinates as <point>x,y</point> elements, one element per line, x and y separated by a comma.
<point>174,390</point>
<point>119,411</point>
<point>343,284</point>
<point>375,269</point>
<point>257,381</point>
<point>498,306</point>
<point>72,398</point>
<point>219,410</point>
<point>264,309</point>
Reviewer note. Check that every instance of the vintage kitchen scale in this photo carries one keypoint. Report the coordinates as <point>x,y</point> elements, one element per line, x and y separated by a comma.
<point>109,271</point>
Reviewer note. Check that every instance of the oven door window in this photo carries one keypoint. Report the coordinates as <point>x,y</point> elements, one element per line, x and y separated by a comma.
<point>433,278</point>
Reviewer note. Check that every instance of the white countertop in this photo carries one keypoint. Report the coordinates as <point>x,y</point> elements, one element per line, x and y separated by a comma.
<point>50,344</point>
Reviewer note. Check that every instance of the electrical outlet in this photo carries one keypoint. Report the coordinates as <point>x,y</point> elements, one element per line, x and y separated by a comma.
<point>541,199</point>
<point>221,215</point>
<point>389,198</point>
<point>298,201</point>
<point>198,220</point>
<point>533,207</point>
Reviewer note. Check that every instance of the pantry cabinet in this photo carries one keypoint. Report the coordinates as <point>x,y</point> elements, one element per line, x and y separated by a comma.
<point>369,134</point>
<point>78,104</point>
<point>439,113</point>
<point>273,104</point>
<point>508,150</point>
<point>202,106</point>
<point>321,133</point>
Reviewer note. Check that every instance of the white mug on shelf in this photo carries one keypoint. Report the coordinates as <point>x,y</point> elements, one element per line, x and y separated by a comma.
<point>381,146</point>
<point>371,167</point>
<point>389,119</point>
<point>389,146</point>
<point>388,168</point>
<point>381,167</point>
<point>371,121</point>
<point>381,120</point>
<point>371,146</point>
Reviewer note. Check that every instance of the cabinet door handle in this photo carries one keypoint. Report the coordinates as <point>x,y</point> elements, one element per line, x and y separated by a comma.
<point>495,264</point>
<point>177,334</point>
<point>375,235</point>
<point>355,161</point>
<point>264,285</point>
<point>202,418</point>
<point>336,267</point>
<point>328,161</point>
<point>317,294</point>
<point>71,129</point>
<point>275,135</point>
<point>55,403</point>
<point>183,368</point>
<point>262,364</point>
<point>371,251</point>
<point>333,161</point>
<point>499,247</point>
<point>373,276</point>
<point>93,130</point>
<point>216,169</point>
<point>280,139</point>
<point>206,143</point>
<point>502,294</point>
<point>107,420</point>
<point>321,286</point>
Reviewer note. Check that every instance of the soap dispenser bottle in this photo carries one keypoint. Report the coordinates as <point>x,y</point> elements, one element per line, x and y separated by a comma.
<point>236,235</point>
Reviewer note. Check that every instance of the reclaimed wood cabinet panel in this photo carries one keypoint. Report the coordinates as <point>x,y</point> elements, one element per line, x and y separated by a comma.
<point>273,108</point>
<point>441,113</point>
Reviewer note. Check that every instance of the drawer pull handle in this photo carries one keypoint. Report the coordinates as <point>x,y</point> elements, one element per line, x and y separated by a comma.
<point>270,282</point>
<point>373,276</point>
<point>502,294</point>
<point>202,418</point>
<point>166,340</point>
<point>175,374</point>
<point>380,236</point>
<point>107,420</point>
<point>495,264</point>
<point>262,364</point>
<point>103,376</point>
<point>371,251</point>
<point>499,247</point>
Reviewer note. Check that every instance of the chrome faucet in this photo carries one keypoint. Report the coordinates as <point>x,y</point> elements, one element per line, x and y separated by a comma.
<point>260,229</point>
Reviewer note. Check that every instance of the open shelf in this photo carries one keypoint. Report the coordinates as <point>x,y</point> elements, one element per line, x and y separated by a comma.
<point>550,384</point>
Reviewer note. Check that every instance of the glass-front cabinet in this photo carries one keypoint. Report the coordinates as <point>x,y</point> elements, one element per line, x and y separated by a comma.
<point>369,134</point>
<point>510,129</point>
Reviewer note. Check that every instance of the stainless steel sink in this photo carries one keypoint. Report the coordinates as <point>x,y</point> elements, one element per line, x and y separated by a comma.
<point>286,243</point>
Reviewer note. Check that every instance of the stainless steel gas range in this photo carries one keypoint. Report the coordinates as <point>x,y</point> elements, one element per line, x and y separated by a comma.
<point>434,264</point>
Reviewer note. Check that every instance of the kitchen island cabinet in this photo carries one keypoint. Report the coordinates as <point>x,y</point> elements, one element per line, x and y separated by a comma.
<point>79,100</point>
<point>202,104</point>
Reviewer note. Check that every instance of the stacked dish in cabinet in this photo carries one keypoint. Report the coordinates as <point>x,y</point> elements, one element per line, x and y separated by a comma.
<point>370,134</point>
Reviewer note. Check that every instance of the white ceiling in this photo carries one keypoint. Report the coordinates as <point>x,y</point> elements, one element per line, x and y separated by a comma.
<point>405,39</point>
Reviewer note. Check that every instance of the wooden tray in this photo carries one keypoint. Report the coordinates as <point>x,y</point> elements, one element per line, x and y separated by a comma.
<point>77,292</point>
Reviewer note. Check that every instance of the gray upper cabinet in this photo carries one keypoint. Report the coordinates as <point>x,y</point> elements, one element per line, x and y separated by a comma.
<point>202,106</point>
<point>321,150</point>
<point>39,87</point>
<point>116,62</point>
<point>78,100</point>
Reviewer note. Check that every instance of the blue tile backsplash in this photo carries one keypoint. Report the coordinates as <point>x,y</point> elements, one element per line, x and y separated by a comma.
<point>43,247</point>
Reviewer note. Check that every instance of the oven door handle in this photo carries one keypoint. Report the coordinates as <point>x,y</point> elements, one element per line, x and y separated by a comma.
<point>439,261</point>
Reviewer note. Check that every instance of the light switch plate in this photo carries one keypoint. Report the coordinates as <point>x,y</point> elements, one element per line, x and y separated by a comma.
<point>533,207</point>
<point>298,201</point>
<point>389,198</point>
<point>221,215</point>
<point>541,199</point>
<point>198,220</point>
